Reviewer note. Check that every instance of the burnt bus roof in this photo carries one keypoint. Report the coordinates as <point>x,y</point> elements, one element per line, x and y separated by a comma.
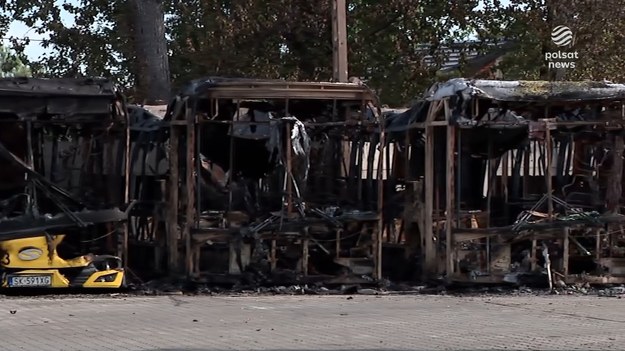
<point>79,99</point>
<point>246,88</point>
<point>57,86</point>
<point>530,91</point>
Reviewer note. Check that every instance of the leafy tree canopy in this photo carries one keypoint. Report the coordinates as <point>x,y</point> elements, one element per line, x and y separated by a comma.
<point>388,39</point>
<point>11,65</point>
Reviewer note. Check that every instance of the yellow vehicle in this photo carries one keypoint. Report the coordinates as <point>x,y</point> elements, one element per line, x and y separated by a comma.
<point>33,262</point>
<point>48,193</point>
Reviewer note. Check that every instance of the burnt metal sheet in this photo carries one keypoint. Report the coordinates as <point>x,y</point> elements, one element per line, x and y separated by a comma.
<point>68,98</point>
<point>26,226</point>
<point>511,231</point>
<point>529,91</point>
<point>67,107</point>
<point>42,87</point>
<point>400,122</point>
<point>246,88</point>
<point>82,105</point>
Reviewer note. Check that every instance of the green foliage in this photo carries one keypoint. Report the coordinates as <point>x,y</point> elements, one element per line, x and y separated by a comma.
<point>599,32</point>
<point>293,39</point>
<point>264,39</point>
<point>94,45</point>
<point>11,65</point>
<point>387,40</point>
<point>522,22</point>
<point>598,36</point>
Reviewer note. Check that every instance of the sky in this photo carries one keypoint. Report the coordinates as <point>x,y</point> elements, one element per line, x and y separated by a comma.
<point>19,30</point>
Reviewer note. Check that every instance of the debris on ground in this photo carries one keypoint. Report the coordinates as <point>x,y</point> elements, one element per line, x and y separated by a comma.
<point>182,286</point>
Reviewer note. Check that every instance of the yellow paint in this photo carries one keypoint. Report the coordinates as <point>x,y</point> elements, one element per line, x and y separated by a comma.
<point>11,248</point>
<point>37,256</point>
<point>93,282</point>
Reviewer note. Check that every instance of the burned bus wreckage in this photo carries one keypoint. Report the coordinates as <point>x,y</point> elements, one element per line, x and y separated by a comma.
<point>240,175</point>
<point>310,178</point>
<point>276,178</point>
<point>277,182</point>
<point>518,180</point>
<point>63,143</point>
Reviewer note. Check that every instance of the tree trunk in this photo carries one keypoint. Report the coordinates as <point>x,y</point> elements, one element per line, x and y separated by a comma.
<point>153,77</point>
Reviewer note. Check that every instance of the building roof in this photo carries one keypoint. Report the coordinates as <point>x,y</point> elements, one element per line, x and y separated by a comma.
<point>470,54</point>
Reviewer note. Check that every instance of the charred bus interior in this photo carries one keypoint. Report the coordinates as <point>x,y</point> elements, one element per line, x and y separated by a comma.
<point>62,152</point>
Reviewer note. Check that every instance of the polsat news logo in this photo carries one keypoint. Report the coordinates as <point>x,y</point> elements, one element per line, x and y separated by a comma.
<point>561,36</point>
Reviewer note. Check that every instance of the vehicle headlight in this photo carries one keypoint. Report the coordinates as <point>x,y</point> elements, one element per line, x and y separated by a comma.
<point>107,278</point>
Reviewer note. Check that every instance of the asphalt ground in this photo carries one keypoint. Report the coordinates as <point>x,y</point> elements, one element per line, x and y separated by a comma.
<point>341,322</point>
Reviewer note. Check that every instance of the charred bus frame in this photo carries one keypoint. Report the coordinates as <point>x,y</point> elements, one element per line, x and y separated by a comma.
<point>210,111</point>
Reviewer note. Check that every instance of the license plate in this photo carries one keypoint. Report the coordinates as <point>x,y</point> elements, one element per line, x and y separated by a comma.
<point>22,281</point>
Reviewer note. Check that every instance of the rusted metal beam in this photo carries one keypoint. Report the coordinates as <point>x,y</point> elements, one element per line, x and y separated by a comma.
<point>504,174</point>
<point>380,176</point>
<point>112,184</point>
<point>127,173</point>
<point>604,123</point>
<point>289,169</point>
<point>449,193</point>
<point>308,94</point>
<point>30,160</point>
<point>491,180</point>
<point>526,170</point>
<point>339,233</point>
<point>191,153</point>
<point>231,161</point>
<point>284,84</point>
<point>615,188</point>
<point>348,124</point>
<point>549,170</point>
<point>565,252</point>
<point>614,123</point>
<point>598,238</point>
<point>172,200</point>
<point>305,253</point>
<point>533,258</point>
<point>429,246</point>
<point>272,256</point>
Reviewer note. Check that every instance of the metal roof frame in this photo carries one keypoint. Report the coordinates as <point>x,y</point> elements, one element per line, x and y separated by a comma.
<point>280,89</point>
